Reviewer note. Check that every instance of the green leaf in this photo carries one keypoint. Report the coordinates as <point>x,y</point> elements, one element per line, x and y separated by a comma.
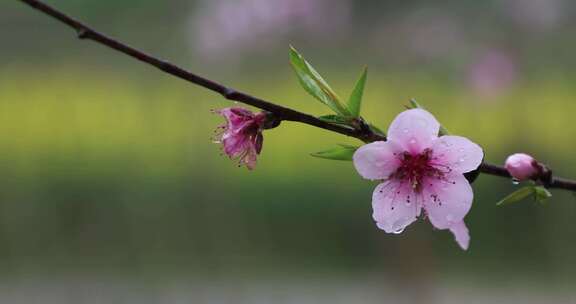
<point>541,194</point>
<point>342,152</point>
<point>314,84</point>
<point>348,146</point>
<point>377,130</point>
<point>415,105</point>
<point>444,131</point>
<point>517,195</point>
<point>336,119</point>
<point>355,100</point>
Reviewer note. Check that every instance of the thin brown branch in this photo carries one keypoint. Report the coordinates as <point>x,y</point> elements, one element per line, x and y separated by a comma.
<point>83,31</point>
<point>281,113</point>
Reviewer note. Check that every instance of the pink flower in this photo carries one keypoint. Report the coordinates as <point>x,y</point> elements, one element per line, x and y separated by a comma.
<point>522,166</point>
<point>241,136</point>
<point>420,170</point>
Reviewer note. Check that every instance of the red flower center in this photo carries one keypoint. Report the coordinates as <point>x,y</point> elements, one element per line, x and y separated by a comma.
<point>414,169</point>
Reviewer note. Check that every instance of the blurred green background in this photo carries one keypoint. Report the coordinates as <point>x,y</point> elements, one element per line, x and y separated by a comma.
<point>112,192</point>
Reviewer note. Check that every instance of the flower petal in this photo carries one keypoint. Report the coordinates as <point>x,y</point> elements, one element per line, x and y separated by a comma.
<point>447,200</point>
<point>376,160</point>
<point>461,234</point>
<point>414,130</point>
<point>236,114</point>
<point>237,119</point>
<point>249,159</point>
<point>234,145</point>
<point>395,206</point>
<point>457,153</point>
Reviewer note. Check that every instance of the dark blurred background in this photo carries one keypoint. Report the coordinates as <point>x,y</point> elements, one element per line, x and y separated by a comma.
<point>112,192</point>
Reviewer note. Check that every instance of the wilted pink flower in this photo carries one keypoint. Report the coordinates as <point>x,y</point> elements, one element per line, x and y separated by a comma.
<point>521,166</point>
<point>419,170</point>
<point>241,135</point>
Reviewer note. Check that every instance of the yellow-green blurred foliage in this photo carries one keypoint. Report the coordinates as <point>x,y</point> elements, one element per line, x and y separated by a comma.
<point>107,166</point>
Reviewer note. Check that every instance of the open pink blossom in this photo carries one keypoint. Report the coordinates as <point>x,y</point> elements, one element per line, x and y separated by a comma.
<point>521,166</point>
<point>420,170</point>
<point>241,135</point>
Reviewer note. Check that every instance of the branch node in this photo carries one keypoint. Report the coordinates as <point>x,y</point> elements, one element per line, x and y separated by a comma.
<point>271,121</point>
<point>544,175</point>
<point>229,93</point>
<point>82,33</point>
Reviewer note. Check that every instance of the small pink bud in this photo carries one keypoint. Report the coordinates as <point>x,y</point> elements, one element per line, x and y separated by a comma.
<point>241,135</point>
<point>521,166</point>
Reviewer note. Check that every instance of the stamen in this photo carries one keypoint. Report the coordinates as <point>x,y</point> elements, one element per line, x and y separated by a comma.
<point>415,168</point>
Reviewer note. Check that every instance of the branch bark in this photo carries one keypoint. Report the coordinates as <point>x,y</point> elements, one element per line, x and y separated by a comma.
<point>83,31</point>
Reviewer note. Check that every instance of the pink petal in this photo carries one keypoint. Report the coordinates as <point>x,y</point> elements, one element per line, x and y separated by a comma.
<point>234,145</point>
<point>237,118</point>
<point>376,160</point>
<point>236,114</point>
<point>249,159</point>
<point>457,153</point>
<point>461,234</point>
<point>414,130</point>
<point>447,200</point>
<point>395,206</point>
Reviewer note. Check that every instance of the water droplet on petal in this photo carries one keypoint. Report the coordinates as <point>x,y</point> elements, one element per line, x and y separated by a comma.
<point>405,130</point>
<point>461,150</point>
<point>412,141</point>
<point>449,217</point>
<point>399,226</point>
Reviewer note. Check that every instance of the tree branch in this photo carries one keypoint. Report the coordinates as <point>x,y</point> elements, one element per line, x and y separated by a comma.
<point>281,113</point>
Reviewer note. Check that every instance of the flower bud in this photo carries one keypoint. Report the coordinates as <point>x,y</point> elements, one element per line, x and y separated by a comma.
<point>522,166</point>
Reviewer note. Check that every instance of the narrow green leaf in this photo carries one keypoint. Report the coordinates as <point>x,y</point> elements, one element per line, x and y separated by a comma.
<point>334,119</point>
<point>517,195</point>
<point>347,146</point>
<point>377,130</point>
<point>314,84</point>
<point>355,100</point>
<point>415,105</point>
<point>541,194</point>
<point>342,152</point>
<point>444,131</point>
